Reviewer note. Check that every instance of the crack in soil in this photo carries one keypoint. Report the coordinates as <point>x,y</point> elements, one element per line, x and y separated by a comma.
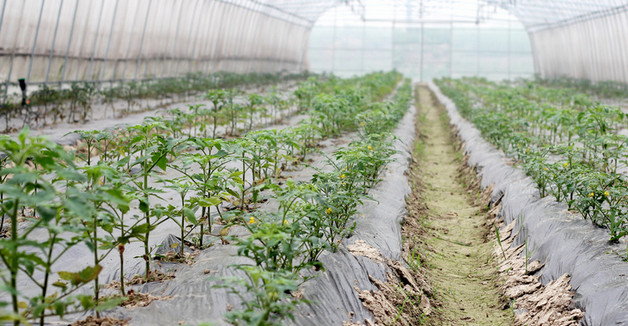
<point>454,247</point>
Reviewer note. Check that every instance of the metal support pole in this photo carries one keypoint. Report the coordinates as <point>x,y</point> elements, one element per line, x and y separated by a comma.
<point>139,53</point>
<point>362,72</point>
<point>6,89</point>
<point>393,46</point>
<point>126,59</point>
<point>249,47</point>
<point>189,40</point>
<point>303,52</point>
<point>4,7</point>
<point>226,43</point>
<point>67,49</point>
<point>104,62</point>
<point>422,51</point>
<point>30,64</point>
<point>91,60</point>
<point>163,62</point>
<point>54,40</point>
<point>615,43</point>
<point>509,48</point>
<point>192,57</point>
<point>220,45</point>
<point>477,49</point>
<point>176,39</point>
<point>333,45</point>
<point>451,50</point>
<point>229,50</point>
<point>259,33</point>
<point>210,45</point>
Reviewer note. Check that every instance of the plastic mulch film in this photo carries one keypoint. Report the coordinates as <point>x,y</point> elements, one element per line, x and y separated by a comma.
<point>331,293</point>
<point>564,242</point>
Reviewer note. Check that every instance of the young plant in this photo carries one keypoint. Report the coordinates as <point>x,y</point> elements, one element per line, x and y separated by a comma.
<point>252,107</point>
<point>233,109</point>
<point>151,150</point>
<point>265,296</point>
<point>217,97</point>
<point>28,189</point>
<point>204,169</point>
<point>186,212</point>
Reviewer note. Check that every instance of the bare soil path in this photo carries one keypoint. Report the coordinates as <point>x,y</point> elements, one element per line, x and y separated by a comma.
<point>456,251</point>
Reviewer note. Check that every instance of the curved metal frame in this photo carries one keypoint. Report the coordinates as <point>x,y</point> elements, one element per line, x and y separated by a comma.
<point>570,24</point>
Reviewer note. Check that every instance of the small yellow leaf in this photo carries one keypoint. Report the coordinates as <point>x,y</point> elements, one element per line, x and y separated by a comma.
<point>224,232</point>
<point>174,245</point>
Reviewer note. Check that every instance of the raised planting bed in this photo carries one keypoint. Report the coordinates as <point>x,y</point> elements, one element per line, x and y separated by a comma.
<point>560,238</point>
<point>163,201</point>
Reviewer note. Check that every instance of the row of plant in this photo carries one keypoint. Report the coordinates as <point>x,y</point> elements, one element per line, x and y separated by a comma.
<point>313,216</point>
<point>90,204</point>
<point>573,153</point>
<point>74,102</point>
<point>603,89</point>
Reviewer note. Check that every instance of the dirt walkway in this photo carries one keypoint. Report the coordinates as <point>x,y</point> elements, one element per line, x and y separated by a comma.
<point>455,249</point>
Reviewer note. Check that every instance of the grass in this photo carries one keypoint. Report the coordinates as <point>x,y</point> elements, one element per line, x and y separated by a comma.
<point>454,245</point>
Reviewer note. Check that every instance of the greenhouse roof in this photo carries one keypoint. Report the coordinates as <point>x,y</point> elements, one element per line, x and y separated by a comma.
<point>534,14</point>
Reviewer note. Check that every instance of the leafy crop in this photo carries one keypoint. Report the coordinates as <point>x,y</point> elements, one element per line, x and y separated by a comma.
<point>85,197</point>
<point>569,145</point>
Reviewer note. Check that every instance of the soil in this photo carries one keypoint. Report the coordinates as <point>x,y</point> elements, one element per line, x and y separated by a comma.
<point>450,236</point>
<point>534,303</point>
<point>154,276</point>
<point>447,228</point>
<point>103,321</point>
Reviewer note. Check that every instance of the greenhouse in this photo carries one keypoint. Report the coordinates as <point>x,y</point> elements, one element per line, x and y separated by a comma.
<point>330,162</point>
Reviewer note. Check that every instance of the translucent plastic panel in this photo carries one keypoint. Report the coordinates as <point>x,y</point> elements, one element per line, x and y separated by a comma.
<point>594,49</point>
<point>106,40</point>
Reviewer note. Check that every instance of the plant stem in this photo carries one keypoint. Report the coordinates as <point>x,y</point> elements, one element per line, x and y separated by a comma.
<point>182,222</point>
<point>96,287</point>
<point>44,288</point>
<point>14,262</point>
<point>121,251</point>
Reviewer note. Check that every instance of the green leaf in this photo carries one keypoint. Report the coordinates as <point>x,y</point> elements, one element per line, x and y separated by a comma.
<point>162,163</point>
<point>46,213</point>
<point>209,202</point>
<point>189,214</point>
<point>59,284</point>
<point>88,274</point>
<point>110,303</point>
<point>143,206</point>
<point>59,307</point>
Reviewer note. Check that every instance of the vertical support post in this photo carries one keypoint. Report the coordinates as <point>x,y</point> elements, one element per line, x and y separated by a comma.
<point>477,48</point>
<point>6,89</point>
<point>67,49</point>
<point>509,48</point>
<point>91,60</point>
<point>451,49</point>
<point>4,7</point>
<point>54,40</point>
<point>194,41</point>
<point>176,38</point>
<point>422,49</point>
<point>363,47</point>
<point>188,45</point>
<point>393,46</point>
<point>104,62</point>
<point>139,52</point>
<point>248,47</point>
<point>30,64</point>
<point>333,44</point>
<point>305,47</point>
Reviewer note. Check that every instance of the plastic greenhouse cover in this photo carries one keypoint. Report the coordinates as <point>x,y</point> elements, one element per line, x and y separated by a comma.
<point>563,242</point>
<point>331,293</point>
